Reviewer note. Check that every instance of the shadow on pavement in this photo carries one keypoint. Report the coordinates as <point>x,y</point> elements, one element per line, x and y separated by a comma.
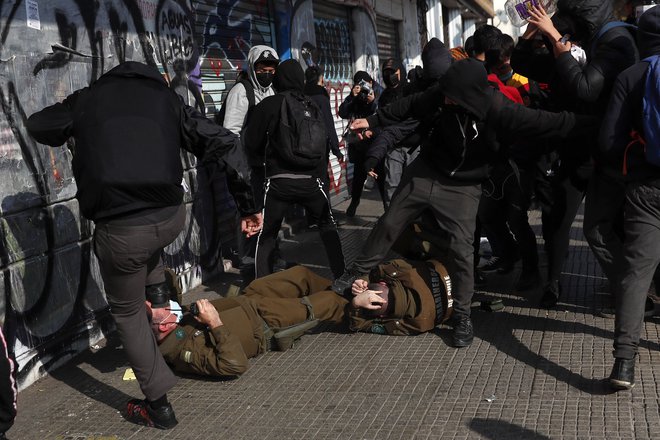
<point>499,429</point>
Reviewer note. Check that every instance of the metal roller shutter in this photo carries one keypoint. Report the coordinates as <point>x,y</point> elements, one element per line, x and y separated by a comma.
<point>388,38</point>
<point>225,35</point>
<point>333,42</point>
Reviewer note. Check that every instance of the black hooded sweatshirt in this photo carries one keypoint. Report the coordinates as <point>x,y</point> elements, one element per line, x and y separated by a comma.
<point>624,112</point>
<point>465,140</point>
<point>320,96</point>
<point>129,128</point>
<point>260,137</point>
<point>436,60</point>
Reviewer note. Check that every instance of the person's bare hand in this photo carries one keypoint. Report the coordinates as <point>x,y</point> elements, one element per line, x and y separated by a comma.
<point>251,225</point>
<point>365,134</point>
<point>356,89</point>
<point>373,174</point>
<point>369,299</point>
<point>530,32</point>
<point>541,19</point>
<point>359,286</point>
<point>359,124</point>
<point>208,314</point>
<point>370,97</point>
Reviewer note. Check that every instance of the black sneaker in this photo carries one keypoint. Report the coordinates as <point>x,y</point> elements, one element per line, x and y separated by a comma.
<point>343,284</point>
<point>623,374</point>
<point>550,295</point>
<point>350,211</point>
<point>649,308</point>
<point>141,413</point>
<point>498,264</point>
<point>463,332</point>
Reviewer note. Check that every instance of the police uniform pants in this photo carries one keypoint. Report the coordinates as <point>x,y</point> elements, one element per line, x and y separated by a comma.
<point>280,194</point>
<point>454,207</point>
<point>641,255</point>
<point>278,297</point>
<point>130,259</point>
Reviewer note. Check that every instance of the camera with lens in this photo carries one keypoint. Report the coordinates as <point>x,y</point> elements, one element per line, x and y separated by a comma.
<point>365,90</point>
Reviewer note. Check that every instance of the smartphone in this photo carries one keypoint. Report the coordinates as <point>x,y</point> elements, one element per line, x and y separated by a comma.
<point>565,38</point>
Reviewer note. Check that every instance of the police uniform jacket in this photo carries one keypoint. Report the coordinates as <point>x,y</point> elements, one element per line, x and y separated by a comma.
<point>421,294</point>
<point>222,351</point>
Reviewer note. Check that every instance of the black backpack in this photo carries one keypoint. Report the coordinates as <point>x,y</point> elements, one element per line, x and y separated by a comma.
<point>301,138</point>
<point>219,117</point>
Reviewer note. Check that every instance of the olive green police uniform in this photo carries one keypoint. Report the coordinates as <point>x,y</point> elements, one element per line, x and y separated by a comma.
<point>280,301</point>
<point>422,299</point>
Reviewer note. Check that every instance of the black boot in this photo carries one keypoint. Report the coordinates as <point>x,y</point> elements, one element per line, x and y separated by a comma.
<point>141,413</point>
<point>463,332</point>
<point>551,294</point>
<point>623,374</point>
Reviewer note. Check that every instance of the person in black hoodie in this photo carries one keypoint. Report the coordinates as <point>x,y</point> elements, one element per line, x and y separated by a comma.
<point>359,104</point>
<point>315,90</point>
<point>471,121</point>
<point>128,128</point>
<point>584,86</point>
<point>287,184</point>
<point>641,226</point>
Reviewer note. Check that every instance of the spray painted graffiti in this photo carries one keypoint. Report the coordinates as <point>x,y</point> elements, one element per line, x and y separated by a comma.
<point>52,299</point>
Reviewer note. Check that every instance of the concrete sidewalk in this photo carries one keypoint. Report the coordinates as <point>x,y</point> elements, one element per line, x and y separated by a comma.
<point>530,374</point>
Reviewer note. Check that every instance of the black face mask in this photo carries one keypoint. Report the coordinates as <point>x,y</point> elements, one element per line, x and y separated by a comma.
<point>391,80</point>
<point>265,79</point>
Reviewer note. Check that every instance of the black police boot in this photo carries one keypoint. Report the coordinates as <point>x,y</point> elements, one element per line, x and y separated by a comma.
<point>141,413</point>
<point>623,374</point>
<point>158,295</point>
<point>463,332</point>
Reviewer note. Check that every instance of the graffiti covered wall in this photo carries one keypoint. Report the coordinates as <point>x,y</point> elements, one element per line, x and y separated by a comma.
<point>52,299</point>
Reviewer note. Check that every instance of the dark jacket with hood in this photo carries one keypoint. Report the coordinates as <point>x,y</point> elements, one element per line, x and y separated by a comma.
<point>624,112</point>
<point>436,59</point>
<point>583,88</point>
<point>466,138</point>
<point>321,98</point>
<point>391,93</point>
<point>260,135</point>
<point>128,128</point>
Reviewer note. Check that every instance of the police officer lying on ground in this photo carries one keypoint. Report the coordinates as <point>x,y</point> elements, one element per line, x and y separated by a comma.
<point>275,310</point>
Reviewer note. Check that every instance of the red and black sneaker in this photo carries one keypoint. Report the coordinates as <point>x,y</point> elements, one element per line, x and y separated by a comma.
<point>141,413</point>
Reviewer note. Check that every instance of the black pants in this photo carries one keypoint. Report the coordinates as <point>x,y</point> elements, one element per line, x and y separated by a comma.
<point>568,187</point>
<point>248,246</point>
<point>130,259</point>
<point>280,194</point>
<point>8,387</point>
<point>454,207</point>
<point>603,222</point>
<point>503,210</point>
<point>641,255</point>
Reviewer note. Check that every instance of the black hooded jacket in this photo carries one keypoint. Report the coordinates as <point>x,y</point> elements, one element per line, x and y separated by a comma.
<point>409,133</point>
<point>320,96</point>
<point>129,128</point>
<point>260,137</point>
<point>465,141</point>
<point>585,88</point>
<point>624,111</point>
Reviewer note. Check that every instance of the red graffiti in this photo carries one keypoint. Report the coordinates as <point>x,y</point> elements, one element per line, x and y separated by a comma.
<point>336,185</point>
<point>217,69</point>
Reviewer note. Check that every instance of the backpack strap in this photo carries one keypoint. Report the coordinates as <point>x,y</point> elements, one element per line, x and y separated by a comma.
<point>636,139</point>
<point>249,92</point>
<point>606,27</point>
